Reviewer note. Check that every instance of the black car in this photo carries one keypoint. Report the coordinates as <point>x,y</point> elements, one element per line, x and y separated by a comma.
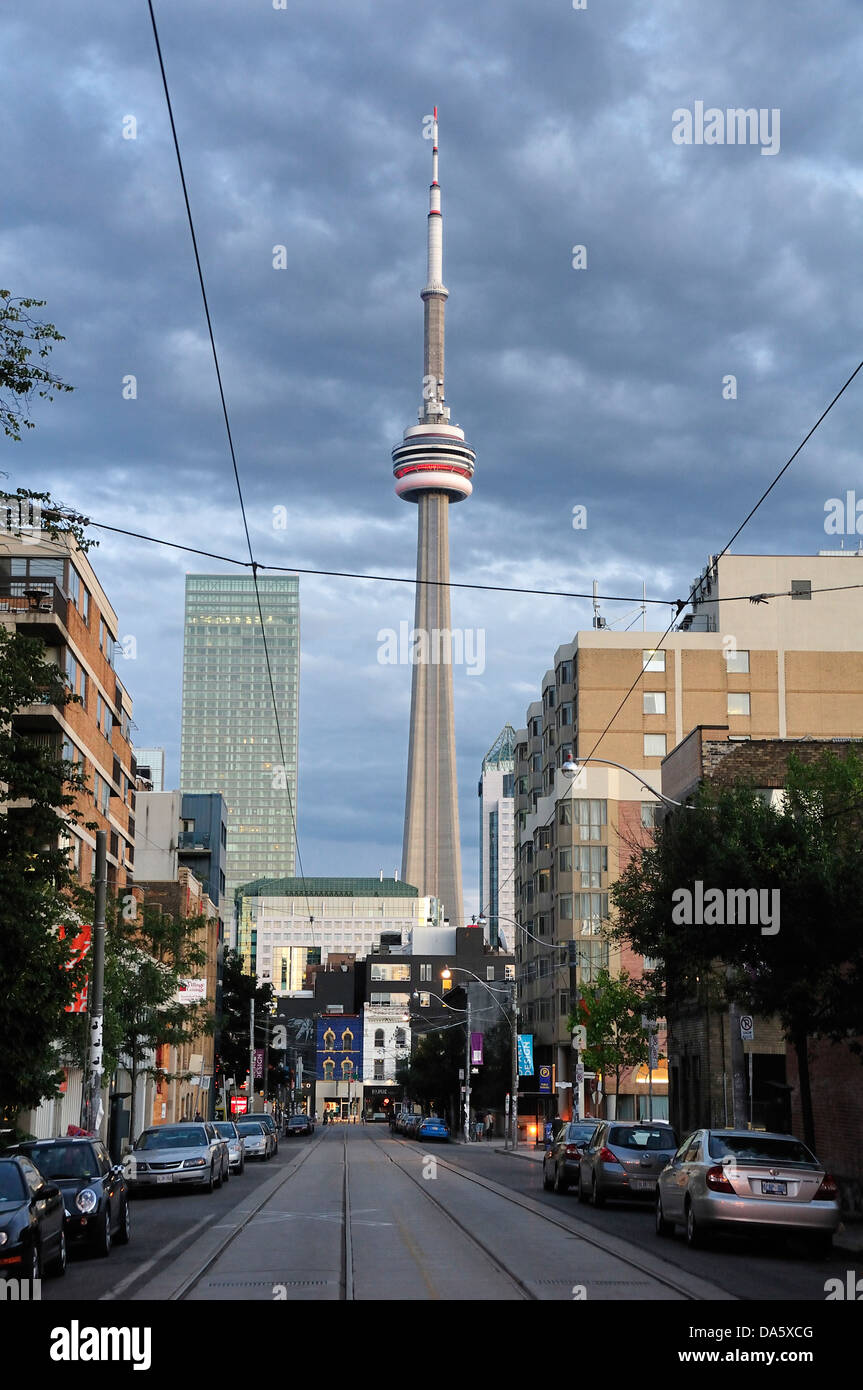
<point>32,1225</point>
<point>95,1192</point>
<point>562,1157</point>
<point>299,1124</point>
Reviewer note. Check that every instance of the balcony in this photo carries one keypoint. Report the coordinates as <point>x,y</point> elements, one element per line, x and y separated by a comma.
<point>193,842</point>
<point>33,604</point>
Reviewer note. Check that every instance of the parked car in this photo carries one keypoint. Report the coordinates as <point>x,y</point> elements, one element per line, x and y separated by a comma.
<point>235,1142</point>
<point>410,1125</point>
<point>299,1124</point>
<point>562,1159</point>
<point>624,1158</point>
<point>270,1126</point>
<point>32,1222</point>
<point>748,1182</point>
<point>432,1128</point>
<point>179,1155</point>
<point>258,1139</point>
<point>95,1191</point>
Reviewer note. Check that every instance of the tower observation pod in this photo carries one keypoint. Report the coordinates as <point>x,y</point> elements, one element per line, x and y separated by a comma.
<point>433,466</point>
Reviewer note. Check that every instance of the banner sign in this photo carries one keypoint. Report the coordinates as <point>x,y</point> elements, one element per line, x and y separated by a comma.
<point>545,1081</point>
<point>192,992</point>
<point>259,1063</point>
<point>525,1054</point>
<point>476,1049</point>
<point>78,946</point>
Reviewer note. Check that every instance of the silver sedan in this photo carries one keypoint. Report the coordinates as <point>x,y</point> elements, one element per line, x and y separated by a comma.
<point>748,1181</point>
<point>179,1155</point>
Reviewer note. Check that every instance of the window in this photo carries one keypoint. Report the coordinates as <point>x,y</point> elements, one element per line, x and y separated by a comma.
<point>652,661</point>
<point>379,1037</point>
<point>654,745</point>
<point>85,604</point>
<point>648,814</point>
<point>489,972</point>
<point>590,816</point>
<point>591,862</point>
<point>593,958</point>
<point>654,701</point>
<point>379,1070</point>
<point>425,1001</point>
<point>564,861</point>
<point>564,1003</point>
<point>564,673</point>
<point>382,971</point>
<point>509,972</point>
<point>737,661</point>
<point>425,971</point>
<point>564,907</point>
<point>589,909</point>
<point>400,1039</point>
<point>738,702</point>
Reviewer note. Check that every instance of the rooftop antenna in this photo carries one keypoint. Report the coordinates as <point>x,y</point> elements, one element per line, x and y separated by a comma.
<point>598,622</point>
<point>643,606</point>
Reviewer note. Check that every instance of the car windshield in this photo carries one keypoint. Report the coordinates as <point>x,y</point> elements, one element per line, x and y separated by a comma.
<point>642,1137</point>
<point>64,1160</point>
<point>192,1138</point>
<point>256,1129</point>
<point>754,1148</point>
<point>226,1129</point>
<point>298,1120</point>
<point>11,1183</point>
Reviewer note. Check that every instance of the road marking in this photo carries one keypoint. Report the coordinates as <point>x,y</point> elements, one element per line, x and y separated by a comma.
<point>148,1264</point>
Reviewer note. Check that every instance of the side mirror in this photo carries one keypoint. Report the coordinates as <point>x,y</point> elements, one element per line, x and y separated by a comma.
<point>49,1189</point>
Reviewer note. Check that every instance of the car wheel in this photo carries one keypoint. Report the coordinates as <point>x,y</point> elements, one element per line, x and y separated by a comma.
<point>242,1166</point>
<point>124,1231</point>
<point>582,1195</point>
<point>102,1242</point>
<point>34,1263</point>
<point>596,1197</point>
<point>220,1178</point>
<point>560,1182</point>
<point>210,1183</point>
<point>58,1264</point>
<point>663,1227</point>
<point>228,1170</point>
<point>694,1237</point>
<point>545,1182</point>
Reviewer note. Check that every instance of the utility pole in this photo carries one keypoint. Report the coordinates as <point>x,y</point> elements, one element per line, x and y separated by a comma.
<point>251,1052</point>
<point>467,1070</point>
<point>90,1100</point>
<point>513,1105</point>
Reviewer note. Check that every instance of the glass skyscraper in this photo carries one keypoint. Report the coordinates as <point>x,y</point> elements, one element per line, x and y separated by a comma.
<point>229,738</point>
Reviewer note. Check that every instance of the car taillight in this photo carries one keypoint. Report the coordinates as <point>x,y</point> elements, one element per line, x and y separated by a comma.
<point>828,1191</point>
<point>608,1157</point>
<point>716,1179</point>
<point>571,1150</point>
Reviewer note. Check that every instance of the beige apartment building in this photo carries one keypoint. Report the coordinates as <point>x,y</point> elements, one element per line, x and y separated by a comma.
<point>788,665</point>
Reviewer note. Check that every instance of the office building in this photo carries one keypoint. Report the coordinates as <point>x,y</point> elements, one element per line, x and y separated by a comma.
<point>496,845</point>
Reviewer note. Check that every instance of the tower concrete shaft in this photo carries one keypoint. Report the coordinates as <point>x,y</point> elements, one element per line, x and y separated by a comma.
<point>433,467</point>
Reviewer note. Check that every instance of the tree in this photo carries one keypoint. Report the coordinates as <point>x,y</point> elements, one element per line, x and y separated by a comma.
<point>20,377</point>
<point>38,889</point>
<point>610,1011</point>
<point>238,990</point>
<point>431,1074</point>
<point>806,967</point>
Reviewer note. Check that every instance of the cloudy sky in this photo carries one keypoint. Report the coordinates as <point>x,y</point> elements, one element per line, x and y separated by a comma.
<point>603,387</point>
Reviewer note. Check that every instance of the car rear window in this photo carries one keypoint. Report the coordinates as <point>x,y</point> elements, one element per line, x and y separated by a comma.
<point>225,1129</point>
<point>642,1137</point>
<point>577,1134</point>
<point>756,1149</point>
<point>251,1128</point>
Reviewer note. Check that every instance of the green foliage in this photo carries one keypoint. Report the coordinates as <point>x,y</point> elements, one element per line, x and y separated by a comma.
<point>37,887</point>
<point>238,990</point>
<point>22,377</point>
<point>610,1011</point>
<point>431,1075</point>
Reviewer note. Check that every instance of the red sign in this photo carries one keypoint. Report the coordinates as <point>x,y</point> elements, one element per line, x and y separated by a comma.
<point>79,945</point>
<point>239,1105</point>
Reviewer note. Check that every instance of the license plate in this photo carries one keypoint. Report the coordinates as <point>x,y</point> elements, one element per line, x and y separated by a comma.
<point>164,1177</point>
<point>774,1189</point>
<point>643,1184</point>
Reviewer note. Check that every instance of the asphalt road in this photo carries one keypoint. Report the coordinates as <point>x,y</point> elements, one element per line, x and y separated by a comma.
<point>423,1224</point>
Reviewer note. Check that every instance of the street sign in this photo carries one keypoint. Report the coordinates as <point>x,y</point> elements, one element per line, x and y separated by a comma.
<point>579,1073</point>
<point>747,1028</point>
<point>653,1051</point>
<point>506,1103</point>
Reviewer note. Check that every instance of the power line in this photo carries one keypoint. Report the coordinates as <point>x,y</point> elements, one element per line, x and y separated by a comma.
<point>253,564</point>
<point>678,604</point>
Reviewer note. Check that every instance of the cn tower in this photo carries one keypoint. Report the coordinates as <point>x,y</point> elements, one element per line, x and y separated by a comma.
<point>433,467</point>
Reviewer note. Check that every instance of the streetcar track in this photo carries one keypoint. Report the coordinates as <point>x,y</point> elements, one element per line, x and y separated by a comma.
<point>535,1210</point>
<point>192,1280</point>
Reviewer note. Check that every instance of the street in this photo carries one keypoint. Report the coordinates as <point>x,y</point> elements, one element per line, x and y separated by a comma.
<point>355,1213</point>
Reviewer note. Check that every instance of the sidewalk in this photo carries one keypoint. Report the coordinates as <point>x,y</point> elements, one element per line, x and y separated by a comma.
<point>848,1238</point>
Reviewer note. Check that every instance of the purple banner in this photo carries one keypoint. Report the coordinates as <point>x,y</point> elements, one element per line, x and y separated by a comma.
<point>476,1049</point>
<point>259,1063</point>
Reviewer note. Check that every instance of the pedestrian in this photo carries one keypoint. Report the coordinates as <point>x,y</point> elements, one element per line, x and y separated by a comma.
<point>489,1126</point>
<point>478,1129</point>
